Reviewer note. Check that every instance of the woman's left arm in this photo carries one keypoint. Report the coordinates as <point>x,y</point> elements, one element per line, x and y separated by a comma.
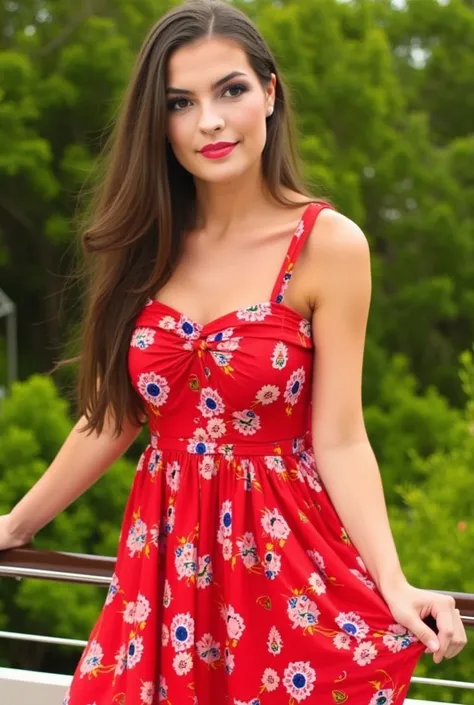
<point>339,258</point>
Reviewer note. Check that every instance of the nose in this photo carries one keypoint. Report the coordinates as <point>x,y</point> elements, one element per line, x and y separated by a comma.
<point>210,120</point>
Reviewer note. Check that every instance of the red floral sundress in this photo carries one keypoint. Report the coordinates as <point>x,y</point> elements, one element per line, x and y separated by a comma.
<point>235,582</point>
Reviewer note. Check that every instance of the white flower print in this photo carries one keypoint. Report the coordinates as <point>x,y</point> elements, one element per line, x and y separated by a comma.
<point>271,563</point>
<point>276,464</point>
<point>129,613</point>
<point>121,660</point>
<point>279,356</point>
<point>318,561</point>
<point>167,323</point>
<point>303,612</point>
<point>169,518</point>
<point>248,470</point>
<point>298,679</point>
<point>257,312</point>
<point>210,403</point>
<point>113,589</point>
<point>182,663</point>
<point>361,564</point>
<point>200,444</point>
<point>235,623</point>
<point>246,422</point>
<point>398,638</point>
<point>225,519</point>
<point>173,473</point>
<point>215,428</point>
<point>384,697</point>
<point>352,624</point>
<point>270,680</point>
<point>342,641</point>
<point>186,560</point>
<point>182,631</point>
<point>274,642</point>
<point>317,584</point>
<point>142,338</point>
<point>208,649</point>
<point>365,653</point>
<point>135,651</point>
<point>163,690</point>
<point>147,692</point>
<point>142,610</point>
<point>92,658</point>
<point>247,548</point>
<point>223,335</point>
<point>300,229</point>
<point>363,578</point>
<point>205,574</point>
<point>267,394</point>
<point>294,386</point>
<point>305,328</point>
<point>208,467</point>
<point>255,701</point>
<point>136,538</point>
<point>167,593</point>
<point>154,388</point>
<point>165,635</point>
<point>188,329</point>
<point>275,524</point>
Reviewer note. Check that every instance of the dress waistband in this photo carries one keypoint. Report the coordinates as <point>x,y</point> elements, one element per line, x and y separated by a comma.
<point>196,446</point>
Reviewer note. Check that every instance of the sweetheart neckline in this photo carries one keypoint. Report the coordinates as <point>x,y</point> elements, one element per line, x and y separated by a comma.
<point>217,320</point>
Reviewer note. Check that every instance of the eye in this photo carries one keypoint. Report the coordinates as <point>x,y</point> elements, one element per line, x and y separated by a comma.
<point>236,87</point>
<point>172,104</point>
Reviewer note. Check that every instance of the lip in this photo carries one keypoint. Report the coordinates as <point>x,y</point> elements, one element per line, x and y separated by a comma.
<point>217,147</point>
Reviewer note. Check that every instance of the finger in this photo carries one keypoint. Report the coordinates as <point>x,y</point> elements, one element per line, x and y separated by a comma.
<point>459,639</point>
<point>423,632</point>
<point>445,622</point>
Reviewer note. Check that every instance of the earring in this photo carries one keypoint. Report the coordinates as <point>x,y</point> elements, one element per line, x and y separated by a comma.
<point>270,111</point>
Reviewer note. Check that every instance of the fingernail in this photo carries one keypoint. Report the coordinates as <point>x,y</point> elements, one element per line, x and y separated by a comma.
<point>433,645</point>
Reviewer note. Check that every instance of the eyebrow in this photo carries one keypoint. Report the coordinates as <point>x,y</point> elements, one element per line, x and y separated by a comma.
<point>215,85</point>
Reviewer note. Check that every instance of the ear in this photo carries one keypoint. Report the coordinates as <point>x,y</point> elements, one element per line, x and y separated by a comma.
<point>270,90</point>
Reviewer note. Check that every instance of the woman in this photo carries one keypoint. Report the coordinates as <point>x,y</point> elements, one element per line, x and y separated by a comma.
<point>228,309</point>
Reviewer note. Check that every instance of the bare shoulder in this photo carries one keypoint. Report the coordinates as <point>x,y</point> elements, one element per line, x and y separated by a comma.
<point>337,254</point>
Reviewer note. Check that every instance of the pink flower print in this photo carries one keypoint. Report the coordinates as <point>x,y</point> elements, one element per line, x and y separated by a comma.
<point>135,651</point>
<point>274,642</point>
<point>121,660</point>
<point>142,338</point>
<point>365,653</point>
<point>182,631</point>
<point>173,473</point>
<point>182,663</point>
<point>298,679</point>
<point>342,641</point>
<point>147,692</point>
<point>305,329</point>
<point>270,680</point>
<point>363,578</point>
<point>293,388</point>
<point>229,661</point>
<point>208,649</point>
<point>92,659</point>
<point>200,443</point>
<point>248,550</point>
<point>113,589</point>
<point>271,563</point>
<point>165,635</point>
<point>248,474</point>
<point>317,584</point>
<point>279,356</point>
<point>257,312</point>
<point>204,575</point>
<point>187,329</point>
<point>235,623</point>
<point>208,467</point>
<point>142,610</point>
<point>275,463</point>
<point>246,422</point>
<point>382,696</point>
<point>167,323</point>
<point>186,560</point>
<point>318,561</point>
<point>303,613</point>
<point>225,519</point>
<point>267,394</point>
<point>352,624</point>
<point>129,613</point>
<point>227,549</point>
<point>153,388</point>
<point>163,690</point>
<point>167,594</point>
<point>210,403</point>
<point>398,638</point>
<point>136,539</point>
<point>275,525</point>
<point>215,428</point>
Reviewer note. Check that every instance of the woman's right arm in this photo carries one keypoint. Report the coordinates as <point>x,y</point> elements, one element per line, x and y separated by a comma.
<point>80,462</point>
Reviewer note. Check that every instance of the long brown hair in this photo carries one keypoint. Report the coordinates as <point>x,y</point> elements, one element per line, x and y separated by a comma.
<point>145,200</point>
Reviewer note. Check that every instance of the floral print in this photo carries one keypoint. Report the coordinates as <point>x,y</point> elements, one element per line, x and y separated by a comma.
<point>234,575</point>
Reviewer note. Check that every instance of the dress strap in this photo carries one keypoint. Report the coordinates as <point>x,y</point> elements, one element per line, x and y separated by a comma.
<point>302,231</point>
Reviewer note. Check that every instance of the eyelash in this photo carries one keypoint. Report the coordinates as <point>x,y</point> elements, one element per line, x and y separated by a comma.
<point>240,86</point>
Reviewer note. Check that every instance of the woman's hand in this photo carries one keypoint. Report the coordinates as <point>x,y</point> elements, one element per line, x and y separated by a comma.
<point>8,538</point>
<point>410,606</point>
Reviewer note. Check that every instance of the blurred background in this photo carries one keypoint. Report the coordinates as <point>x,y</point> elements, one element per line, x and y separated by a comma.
<point>384,98</point>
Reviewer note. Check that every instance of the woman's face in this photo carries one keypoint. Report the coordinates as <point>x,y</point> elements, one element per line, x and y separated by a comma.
<point>201,113</point>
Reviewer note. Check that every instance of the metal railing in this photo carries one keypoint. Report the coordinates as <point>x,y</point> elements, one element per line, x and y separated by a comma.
<point>29,562</point>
